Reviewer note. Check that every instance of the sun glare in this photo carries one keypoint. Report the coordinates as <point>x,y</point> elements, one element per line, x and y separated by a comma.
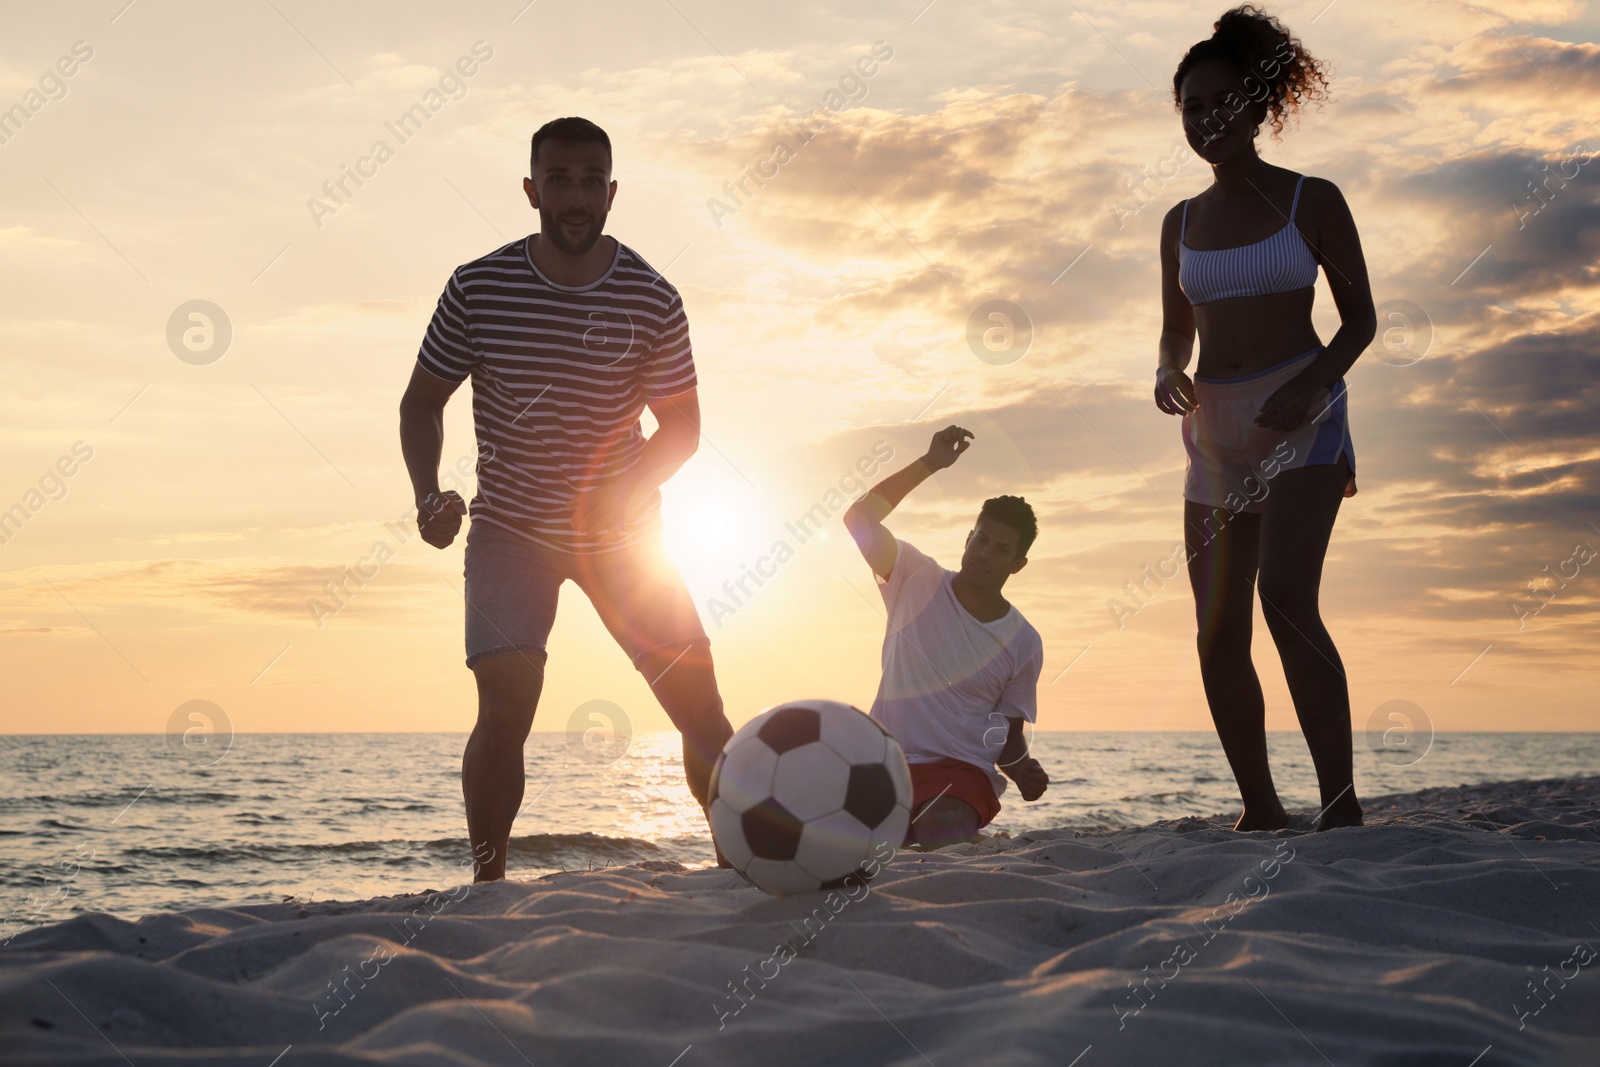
<point>714,522</point>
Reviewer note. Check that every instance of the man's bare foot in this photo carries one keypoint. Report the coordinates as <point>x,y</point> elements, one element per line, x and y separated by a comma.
<point>1346,811</point>
<point>1274,819</point>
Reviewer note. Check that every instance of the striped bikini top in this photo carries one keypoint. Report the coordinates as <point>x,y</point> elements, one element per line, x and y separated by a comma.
<point>1277,264</point>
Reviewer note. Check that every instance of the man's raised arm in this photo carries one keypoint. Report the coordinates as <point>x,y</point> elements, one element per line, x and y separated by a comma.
<point>864,518</point>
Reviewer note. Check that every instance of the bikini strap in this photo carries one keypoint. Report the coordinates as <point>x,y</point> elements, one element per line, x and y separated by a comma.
<point>1183,227</point>
<point>1296,198</point>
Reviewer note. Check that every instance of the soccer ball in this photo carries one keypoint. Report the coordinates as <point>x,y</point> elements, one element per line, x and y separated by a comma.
<point>805,793</point>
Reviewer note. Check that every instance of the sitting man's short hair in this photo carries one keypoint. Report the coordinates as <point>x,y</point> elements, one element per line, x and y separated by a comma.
<point>1017,513</point>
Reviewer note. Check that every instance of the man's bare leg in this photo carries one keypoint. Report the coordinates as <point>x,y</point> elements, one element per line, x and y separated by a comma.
<point>942,821</point>
<point>492,776</point>
<point>684,680</point>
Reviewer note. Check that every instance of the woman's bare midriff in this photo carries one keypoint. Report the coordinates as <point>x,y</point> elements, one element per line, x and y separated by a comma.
<point>1251,333</point>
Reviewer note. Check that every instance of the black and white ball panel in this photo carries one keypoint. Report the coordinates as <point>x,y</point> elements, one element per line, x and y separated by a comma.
<point>804,793</point>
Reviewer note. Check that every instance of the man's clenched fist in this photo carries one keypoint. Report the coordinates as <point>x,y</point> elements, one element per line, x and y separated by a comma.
<point>439,517</point>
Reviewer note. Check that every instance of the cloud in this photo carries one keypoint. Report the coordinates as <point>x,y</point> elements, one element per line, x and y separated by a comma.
<point>243,586</point>
<point>1500,244</point>
<point>9,628</point>
<point>831,309</point>
<point>1520,73</point>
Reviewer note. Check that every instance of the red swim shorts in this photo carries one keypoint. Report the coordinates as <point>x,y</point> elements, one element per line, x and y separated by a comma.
<point>954,778</point>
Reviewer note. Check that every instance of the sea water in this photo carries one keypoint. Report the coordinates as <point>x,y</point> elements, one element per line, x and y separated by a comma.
<point>127,824</point>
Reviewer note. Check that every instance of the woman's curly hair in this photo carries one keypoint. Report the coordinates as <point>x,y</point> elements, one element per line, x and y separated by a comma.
<point>1278,69</point>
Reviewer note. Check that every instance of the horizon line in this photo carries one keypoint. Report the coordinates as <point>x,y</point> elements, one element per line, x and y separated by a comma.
<point>354,733</point>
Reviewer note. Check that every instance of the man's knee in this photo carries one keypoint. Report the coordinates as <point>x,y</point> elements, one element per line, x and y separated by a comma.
<point>682,677</point>
<point>680,657</point>
<point>955,811</point>
<point>944,820</point>
<point>508,691</point>
<point>681,668</point>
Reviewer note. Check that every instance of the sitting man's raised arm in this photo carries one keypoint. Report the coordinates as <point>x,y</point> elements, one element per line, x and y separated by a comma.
<point>864,518</point>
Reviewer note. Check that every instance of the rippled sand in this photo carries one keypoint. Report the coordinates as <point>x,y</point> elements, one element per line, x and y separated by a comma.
<point>1458,927</point>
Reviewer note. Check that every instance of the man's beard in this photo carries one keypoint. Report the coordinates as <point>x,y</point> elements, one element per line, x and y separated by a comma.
<point>550,227</point>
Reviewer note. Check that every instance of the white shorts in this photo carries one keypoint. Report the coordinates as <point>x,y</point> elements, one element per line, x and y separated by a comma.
<point>1231,459</point>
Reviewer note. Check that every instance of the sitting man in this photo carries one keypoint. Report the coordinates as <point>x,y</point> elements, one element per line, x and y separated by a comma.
<point>960,663</point>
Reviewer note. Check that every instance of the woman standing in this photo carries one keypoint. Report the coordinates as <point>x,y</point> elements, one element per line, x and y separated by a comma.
<point>1264,419</point>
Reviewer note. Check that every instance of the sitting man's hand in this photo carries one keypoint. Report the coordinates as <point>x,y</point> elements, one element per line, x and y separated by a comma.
<point>439,517</point>
<point>946,445</point>
<point>1030,777</point>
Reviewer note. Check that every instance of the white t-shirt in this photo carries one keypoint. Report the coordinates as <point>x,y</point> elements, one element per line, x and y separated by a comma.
<point>950,681</point>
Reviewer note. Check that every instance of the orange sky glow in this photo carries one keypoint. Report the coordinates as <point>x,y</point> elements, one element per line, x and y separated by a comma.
<point>177,521</point>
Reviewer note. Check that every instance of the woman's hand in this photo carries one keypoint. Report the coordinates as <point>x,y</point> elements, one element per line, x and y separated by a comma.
<point>1174,391</point>
<point>1290,407</point>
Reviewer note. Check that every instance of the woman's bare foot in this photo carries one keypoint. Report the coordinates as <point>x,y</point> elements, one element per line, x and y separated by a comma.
<point>1346,811</point>
<point>490,864</point>
<point>1274,818</point>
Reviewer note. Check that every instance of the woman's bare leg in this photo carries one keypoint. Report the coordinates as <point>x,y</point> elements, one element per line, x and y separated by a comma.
<point>1223,550</point>
<point>1295,528</point>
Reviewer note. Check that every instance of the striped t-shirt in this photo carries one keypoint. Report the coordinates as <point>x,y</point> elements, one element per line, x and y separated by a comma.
<point>560,376</point>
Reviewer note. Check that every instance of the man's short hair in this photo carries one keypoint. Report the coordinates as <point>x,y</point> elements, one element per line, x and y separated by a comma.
<point>1017,513</point>
<point>571,128</point>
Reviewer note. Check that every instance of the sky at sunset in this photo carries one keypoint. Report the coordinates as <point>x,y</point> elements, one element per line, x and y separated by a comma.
<point>181,511</point>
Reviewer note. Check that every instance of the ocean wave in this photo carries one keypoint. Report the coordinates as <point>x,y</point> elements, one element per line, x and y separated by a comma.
<point>530,850</point>
<point>115,799</point>
<point>275,817</point>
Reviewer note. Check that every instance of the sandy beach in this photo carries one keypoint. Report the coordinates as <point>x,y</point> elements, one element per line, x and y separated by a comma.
<point>1458,927</point>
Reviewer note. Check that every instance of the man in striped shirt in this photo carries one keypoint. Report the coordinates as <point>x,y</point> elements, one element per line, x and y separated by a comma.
<point>567,335</point>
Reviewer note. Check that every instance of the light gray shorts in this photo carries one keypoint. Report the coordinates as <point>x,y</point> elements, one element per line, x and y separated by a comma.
<point>512,584</point>
<point>1231,459</point>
